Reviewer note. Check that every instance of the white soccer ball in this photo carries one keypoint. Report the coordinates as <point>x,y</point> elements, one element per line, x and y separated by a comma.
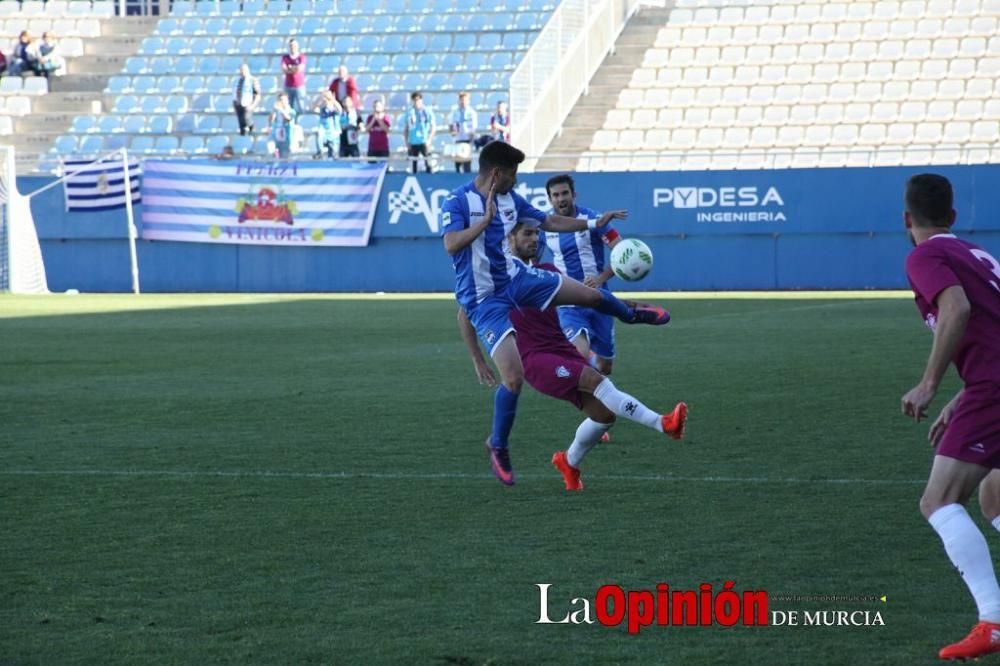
<point>631,259</point>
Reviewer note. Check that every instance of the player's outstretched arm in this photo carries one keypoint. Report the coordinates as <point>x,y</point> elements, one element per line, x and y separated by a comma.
<point>483,371</point>
<point>561,223</point>
<point>953,315</point>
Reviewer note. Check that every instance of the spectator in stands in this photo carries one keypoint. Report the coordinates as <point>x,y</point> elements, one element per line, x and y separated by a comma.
<point>246,99</point>
<point>345,86</point>
<point>378,124</point>
<point>282,125</point>
<point>328,128</point>
<point>463,127</point>
<point>418,131</point>
<point>50,62</point>
<point>293,66</point>
<point>351,125</point>
<point>25,54</point>
<point>3,63</point>
<point>500,123</point>
<point>228,153</point>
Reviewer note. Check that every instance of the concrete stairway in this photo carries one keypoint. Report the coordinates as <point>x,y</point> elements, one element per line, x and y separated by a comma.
<point>80,91</point>
<point>610,79</point>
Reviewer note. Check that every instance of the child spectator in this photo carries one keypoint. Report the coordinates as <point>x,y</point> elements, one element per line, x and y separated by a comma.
<point>463,127</point>
<point>500,123</point>
<point>418,131</point>
<point>350,126</point>
<point>328,129</point>
<point>282,125</point>
<point>378,131</point>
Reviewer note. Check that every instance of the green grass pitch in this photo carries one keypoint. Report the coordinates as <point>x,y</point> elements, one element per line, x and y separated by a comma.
<point>301,480</point>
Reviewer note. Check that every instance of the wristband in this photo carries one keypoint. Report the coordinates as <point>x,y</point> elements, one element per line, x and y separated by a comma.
<point>592,223</point>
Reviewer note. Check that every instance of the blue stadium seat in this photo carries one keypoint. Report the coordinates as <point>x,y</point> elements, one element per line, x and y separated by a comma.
<point>66,145</point>
<point>166,144</point>
<point>168,85</point>
<point>141,144</point>
<point>311,25</point>
<point>189,26</point>
<point>209,64</point>
<point>378,62</point>
<point>229,7</point>
<point>184,65</point>
<point>475,61</point>
<point>207,124</point>
<point>428,62</point>
<point>134,124</point>
<point>439,7</point>
<point>396,6</point>
<point>84,124</point>
<point>110,124</point>
<point>117,85</point>
<point>241,26</point>
<point>441,81</point>
<point>387,82</point>
<point>397,100</point>
<point>242,145</point>
<point>529,21</point>
<point>441,42</point>
<point>152,104</point>
<point>499,60</point>
<point>455,22</point>
<point>286,26</point>
<point>355,62</point>
<point>464,42</point>
<point>142,85</point>
<point>428,23</point>
<point>152,45</point>
<point>203,45</point>
<point>355,25</point>
<point>222,103</point>
<point>91,145</point>
<point>161,124</point>
<point>254,6</point>
<point>489,41</point>
<point>201,103</point>
<point>452,62</point>
<point>192,145</point>
<point>416,43</point>
<point>273,44</point>
<point>205,8</point>
<point>215,26</point>
<point>479,22</point>
<point>229,125</point>
<point>187,122</point>
<point>263,25</point>
<point>309,122</point>
<point>300,7</point>
<point>217,84</point>
<point>368,6</point>
<point>125,104</point>
<point>514,41</point>
<point>215,144</point>
<point>247,45</point>
<point>161,65</point>
<point>404,62</point>
<point>176,104</point>
<point>179,7</point>
<point>382,24</point>
<point>413,81</point>
<point>362,44</point>
<point>225,45</point>
<point>259,64</point>
<point>168,26</point>
<point>135,65</point>
<point>115,142</point>
<point>229,65</point>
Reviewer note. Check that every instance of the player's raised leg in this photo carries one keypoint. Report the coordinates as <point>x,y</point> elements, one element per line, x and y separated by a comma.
<point>508,363</point>
<point>949,487</point>
<point>572,292</point>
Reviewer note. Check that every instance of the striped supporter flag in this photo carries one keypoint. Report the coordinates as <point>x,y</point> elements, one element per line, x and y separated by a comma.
<point>260,203</point>
<point>99,185</point>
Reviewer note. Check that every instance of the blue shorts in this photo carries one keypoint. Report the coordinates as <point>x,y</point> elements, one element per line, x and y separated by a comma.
<point>530,287</point>
<point>599,328</point>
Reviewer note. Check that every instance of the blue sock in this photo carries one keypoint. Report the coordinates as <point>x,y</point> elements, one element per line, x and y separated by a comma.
<point>615,307</point>
<point>504,410</point>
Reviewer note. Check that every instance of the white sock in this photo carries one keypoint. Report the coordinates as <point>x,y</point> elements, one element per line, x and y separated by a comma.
<point>587,436</point>
<point>625,405</point>
<point>996,523</point>
<point>967,549</point>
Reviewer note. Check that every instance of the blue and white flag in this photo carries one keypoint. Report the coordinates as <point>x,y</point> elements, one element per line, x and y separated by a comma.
<point>99,185</point>
<point>260,203</point>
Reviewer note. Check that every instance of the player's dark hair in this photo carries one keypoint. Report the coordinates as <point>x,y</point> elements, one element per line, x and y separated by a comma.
<point>499,154</point>
<point>929,200</point>
<point>561,178</point>
<point>416,95</point>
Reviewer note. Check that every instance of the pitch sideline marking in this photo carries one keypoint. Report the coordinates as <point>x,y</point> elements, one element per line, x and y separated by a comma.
<point>130,473</point>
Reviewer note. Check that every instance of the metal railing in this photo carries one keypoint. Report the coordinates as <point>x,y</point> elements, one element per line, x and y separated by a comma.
<point>557,68</point>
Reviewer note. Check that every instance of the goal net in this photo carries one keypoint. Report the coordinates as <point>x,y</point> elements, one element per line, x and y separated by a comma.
<point>21,267</point>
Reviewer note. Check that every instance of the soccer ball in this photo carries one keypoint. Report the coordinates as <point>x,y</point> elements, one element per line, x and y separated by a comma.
<point>631,259</point>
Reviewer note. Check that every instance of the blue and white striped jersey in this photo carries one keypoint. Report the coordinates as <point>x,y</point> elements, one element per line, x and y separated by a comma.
<point>484,267</point>
<point>580,254</point>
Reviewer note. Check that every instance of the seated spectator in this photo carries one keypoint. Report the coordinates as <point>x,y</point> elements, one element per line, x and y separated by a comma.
<point>50,62</point>
<point>246,99</point>
<point>328,128</point>
<point>500,123</point>
<point>345,86</point>
<point>25,54</point>
<point>378,131</point>
<point>282,125</point>
<point>463,127</point>
<point>228,153</point>
<point>350,127</point>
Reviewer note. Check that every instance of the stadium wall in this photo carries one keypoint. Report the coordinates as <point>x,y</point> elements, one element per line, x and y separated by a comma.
<point>712,230</point>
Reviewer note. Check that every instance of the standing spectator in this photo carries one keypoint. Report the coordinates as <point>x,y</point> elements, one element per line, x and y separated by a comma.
<point>282,124</point>
<point>345,86</point>
<point>246,99</point>
<point>500,123</point>
<point>328,130</point>
<point>25,54</point>
<point>419,131</point>
<point>350,126</point>
<point>378,131</point>
<point>463,127</point>
<point>50,61</point>
<point>293,66</point>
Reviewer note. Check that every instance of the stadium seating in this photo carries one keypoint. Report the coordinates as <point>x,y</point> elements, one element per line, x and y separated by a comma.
<point>901,81</point>
<point>185,69</point>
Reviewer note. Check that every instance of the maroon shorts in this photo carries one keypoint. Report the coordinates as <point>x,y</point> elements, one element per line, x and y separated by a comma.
<point>555,375</point>
<point>973,434</point>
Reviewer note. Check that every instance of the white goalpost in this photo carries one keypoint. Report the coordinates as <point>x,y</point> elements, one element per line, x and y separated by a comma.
<point>22,270</point>
<point>21,267</point>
